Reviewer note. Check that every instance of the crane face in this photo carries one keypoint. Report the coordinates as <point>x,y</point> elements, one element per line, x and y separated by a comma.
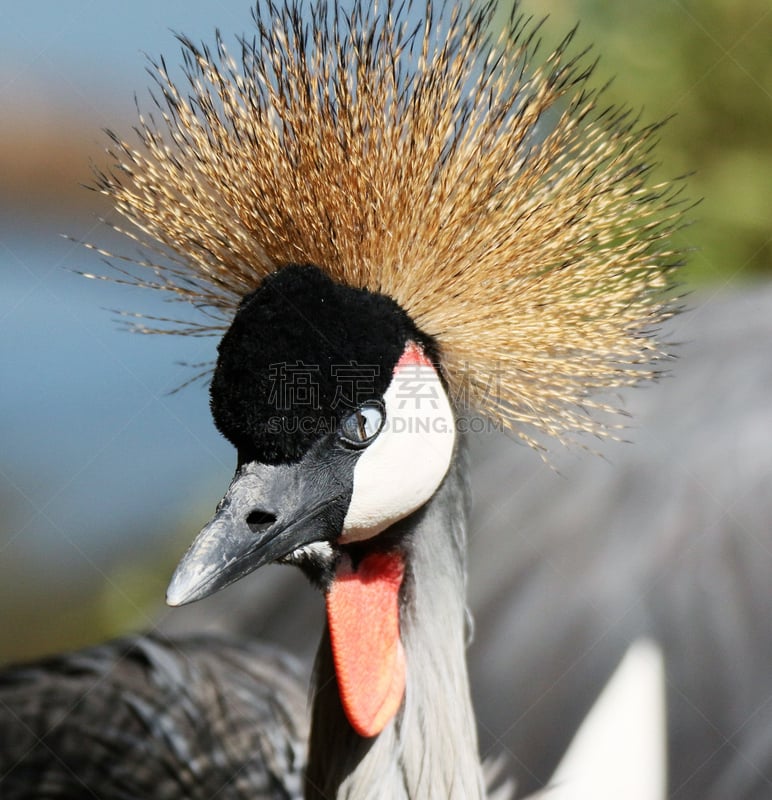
<point>343,427</point>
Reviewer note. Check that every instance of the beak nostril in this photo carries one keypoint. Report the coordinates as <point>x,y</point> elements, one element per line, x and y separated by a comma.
<point>259,520</point>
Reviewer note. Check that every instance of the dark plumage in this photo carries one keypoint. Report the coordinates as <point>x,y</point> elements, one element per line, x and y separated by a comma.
<point>303,351</point>
<point>147,717</point>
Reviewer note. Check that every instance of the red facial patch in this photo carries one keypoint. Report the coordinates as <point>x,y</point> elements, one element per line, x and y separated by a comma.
<point>363,617</point>
<point>413,356</point>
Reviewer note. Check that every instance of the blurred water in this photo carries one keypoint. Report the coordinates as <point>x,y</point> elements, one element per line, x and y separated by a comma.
<point>93,442</point>
<point>97,459</point>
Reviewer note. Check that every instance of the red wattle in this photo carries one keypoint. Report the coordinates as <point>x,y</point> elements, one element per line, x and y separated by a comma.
<point>363,618</point>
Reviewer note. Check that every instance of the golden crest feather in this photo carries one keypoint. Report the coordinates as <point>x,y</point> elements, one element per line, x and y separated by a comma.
<point>493,196</point>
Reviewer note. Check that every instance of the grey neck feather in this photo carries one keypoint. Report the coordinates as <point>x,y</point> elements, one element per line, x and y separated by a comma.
<point>429,749</point>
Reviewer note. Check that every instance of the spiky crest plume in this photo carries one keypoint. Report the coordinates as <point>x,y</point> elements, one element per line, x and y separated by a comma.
<point>491,195</point>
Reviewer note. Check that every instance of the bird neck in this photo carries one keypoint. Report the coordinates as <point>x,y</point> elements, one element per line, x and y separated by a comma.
<point>429,749</point>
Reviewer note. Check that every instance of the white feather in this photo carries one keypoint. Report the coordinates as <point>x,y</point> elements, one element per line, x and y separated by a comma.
<point>404,466</point>
<point>619,751</point>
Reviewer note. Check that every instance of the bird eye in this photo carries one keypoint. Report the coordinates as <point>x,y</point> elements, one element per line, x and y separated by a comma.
<point>362,426</point>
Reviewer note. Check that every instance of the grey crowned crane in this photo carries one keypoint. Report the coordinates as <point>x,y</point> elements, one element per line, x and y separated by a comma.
<point>397,226</point>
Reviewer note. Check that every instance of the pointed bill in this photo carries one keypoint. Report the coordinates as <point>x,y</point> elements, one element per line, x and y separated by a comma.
<point>268,512</point>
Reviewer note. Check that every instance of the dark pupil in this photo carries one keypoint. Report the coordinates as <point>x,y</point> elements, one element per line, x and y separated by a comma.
<point>363,424</point>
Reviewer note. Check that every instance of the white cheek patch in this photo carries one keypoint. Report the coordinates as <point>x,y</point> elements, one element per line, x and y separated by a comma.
<point>406,463</point>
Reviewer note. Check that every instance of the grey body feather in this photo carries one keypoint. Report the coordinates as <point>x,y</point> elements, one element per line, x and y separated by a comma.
<point>668,538</point>
<point>143,717</point>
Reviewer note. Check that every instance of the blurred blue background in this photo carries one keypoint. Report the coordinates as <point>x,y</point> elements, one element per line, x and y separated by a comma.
<point>105,473</point>
<point>100,464</point>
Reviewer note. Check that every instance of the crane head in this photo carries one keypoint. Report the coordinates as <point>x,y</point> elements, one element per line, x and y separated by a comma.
<point>461,196</point>
<point>335,403</point>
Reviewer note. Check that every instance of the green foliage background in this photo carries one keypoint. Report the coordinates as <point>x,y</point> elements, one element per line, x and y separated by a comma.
<point>708,64</point>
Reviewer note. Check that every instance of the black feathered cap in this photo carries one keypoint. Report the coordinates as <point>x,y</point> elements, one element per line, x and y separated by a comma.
<point>300,354</point>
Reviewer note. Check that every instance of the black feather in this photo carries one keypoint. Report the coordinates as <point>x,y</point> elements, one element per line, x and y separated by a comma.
<point>142,717</point>
<point>302,351</point>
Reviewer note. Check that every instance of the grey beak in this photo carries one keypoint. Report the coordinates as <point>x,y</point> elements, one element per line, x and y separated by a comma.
<point>268,512</point>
